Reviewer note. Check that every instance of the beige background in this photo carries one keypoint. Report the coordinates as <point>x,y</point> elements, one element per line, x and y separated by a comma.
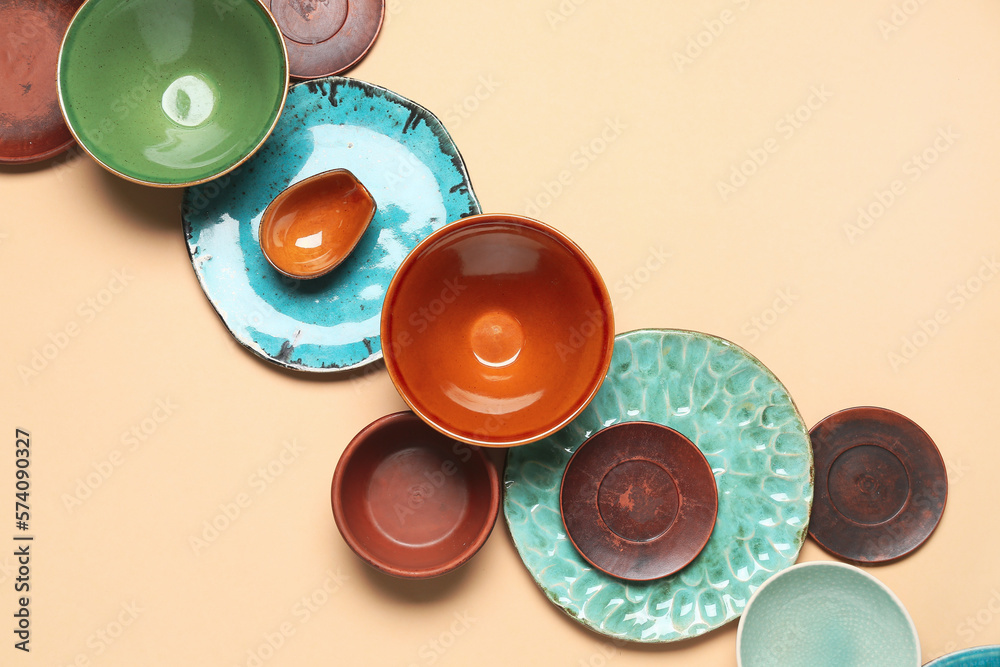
<point>774,266</point>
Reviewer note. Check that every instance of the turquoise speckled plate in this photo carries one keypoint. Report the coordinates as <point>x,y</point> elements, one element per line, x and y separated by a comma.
<point>743,420</point>
<point>403,156</point>
<point>980,656</point>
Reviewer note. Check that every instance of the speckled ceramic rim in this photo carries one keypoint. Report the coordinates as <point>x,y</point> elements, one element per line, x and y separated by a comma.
<point>300,184</point>
<point>957,659</point>
<point>337,500</point>
<point>823,564</point>
<point>38,157</point>
<point>514,220</point>
<point>254,149</point>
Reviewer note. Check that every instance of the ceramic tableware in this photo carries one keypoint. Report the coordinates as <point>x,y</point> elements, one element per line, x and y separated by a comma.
<point>31,127</point>
<point>824,614</point>
<point>412,502</point>
<point>638,500</point>
<point>497,330</point>
<point>404,158</point>
<point>172,92</point>
<point>742,419</point>
<point>979,656</point>
<point>314,225</point>
<point>326,37</point>
<point>881,485</point>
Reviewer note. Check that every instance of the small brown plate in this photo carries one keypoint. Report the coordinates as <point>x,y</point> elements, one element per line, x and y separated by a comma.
<point>638,500</point>
<point>325,37</point>
<point>31,125</point>
<point>881,485</point>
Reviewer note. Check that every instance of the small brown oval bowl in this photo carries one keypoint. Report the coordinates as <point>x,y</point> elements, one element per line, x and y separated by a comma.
<point>412,502</point>
<point>313,225</point>
<point>497,330</point>
<point>638,500</point>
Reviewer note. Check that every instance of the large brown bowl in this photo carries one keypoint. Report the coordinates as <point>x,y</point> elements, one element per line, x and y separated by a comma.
<point>411,501</point>
<point>497,330</point>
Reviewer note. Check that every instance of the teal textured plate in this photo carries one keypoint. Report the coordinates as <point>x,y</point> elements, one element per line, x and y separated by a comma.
<point>406,160</point>
<point>826,614</point>
<point>744,422</point>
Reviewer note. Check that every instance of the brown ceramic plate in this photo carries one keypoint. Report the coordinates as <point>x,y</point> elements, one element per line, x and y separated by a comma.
<point>497,330</point>
<point>881,485</point>
<point>31,125</point>
<point>638,500</point>
<point>412,502</point>
<point>325,37</point>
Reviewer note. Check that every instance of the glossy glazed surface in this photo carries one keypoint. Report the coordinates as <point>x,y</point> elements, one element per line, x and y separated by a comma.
<point>326,37</point>
<point>315,224</point>
<point>406,160</point>
<point>744,422</point>
<point>881,485</point>
<point>31,126</point>
<point>172,92</point>
<point>979,656</point>
<point>498,330</point>
<point>638,500</point>
<point>824,614</point>
<point>412,502</point>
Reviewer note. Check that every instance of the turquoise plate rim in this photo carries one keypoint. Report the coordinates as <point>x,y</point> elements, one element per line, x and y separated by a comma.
<point>955,658</point>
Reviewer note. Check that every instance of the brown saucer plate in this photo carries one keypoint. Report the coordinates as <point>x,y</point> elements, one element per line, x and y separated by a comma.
<point>638,500</point>
<point>881,485</point>
<point>325,37</point>
<point>31,125</point>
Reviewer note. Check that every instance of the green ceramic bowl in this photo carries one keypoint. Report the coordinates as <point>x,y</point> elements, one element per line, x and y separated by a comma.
<point>826,614</point>
<point>172,92</point>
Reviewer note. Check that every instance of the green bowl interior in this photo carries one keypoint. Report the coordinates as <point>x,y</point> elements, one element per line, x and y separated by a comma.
<point>826,616</point>
<point>172,91</point>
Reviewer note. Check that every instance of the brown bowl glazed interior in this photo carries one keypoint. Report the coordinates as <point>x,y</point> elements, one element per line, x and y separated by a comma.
<point>497,330</point>
<point>411,501</point>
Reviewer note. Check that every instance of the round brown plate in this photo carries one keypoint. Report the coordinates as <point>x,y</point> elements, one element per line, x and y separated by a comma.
<point>638,500</point>
<point>325,37</point>
<point>881,485</point>
<point>31,125</point>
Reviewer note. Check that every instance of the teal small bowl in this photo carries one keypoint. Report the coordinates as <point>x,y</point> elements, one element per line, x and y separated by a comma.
<point>980,656</point>
<point>826,614</point>
<point>172,93</point>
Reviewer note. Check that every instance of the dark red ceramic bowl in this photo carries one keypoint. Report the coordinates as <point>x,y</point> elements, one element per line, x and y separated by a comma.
<point>497,330</point>
<point>411,501</point>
